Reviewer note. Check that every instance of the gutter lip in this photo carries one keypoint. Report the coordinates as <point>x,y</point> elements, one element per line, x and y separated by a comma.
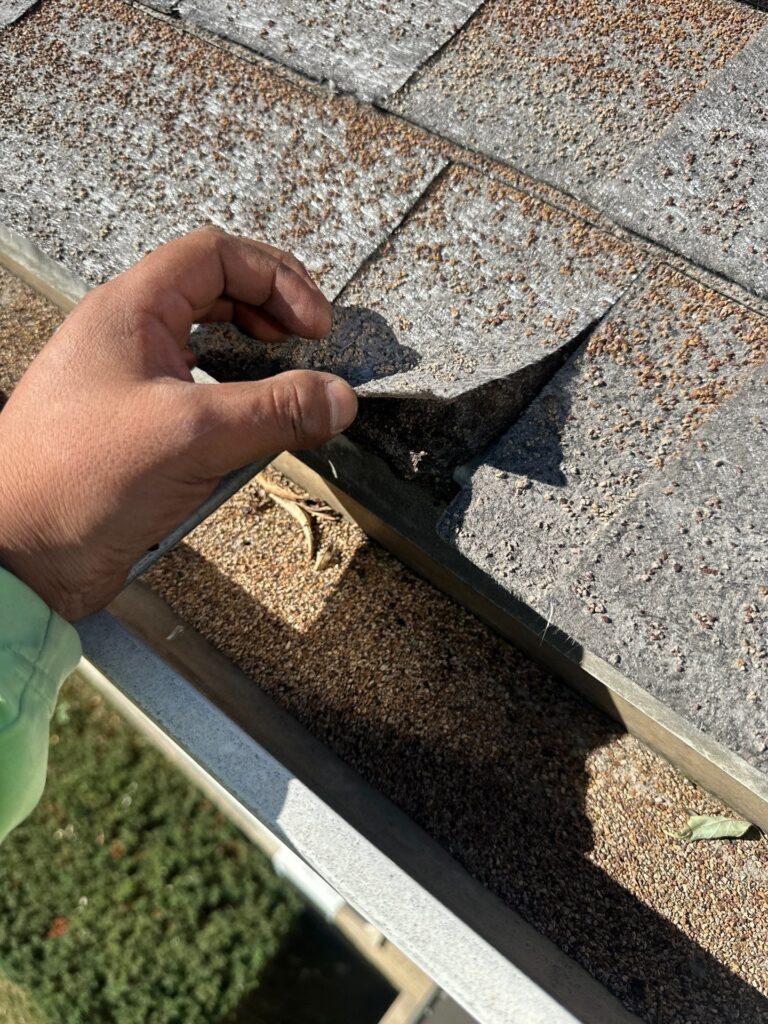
<point>528,981</point>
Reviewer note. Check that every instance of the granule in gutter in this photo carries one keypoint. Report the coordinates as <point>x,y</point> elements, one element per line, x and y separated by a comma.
<point>542,798</point>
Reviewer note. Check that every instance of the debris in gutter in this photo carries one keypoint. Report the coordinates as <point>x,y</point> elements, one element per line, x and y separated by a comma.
<point>713,826</point>
<point>304,510</point>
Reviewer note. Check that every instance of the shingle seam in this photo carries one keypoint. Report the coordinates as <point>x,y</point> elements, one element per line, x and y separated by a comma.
<point>435,55</point>
<point>557,196</point>
<point>462,473</point>
<point>242,52</point>
<point>376,253</point>
<point>567,202</point>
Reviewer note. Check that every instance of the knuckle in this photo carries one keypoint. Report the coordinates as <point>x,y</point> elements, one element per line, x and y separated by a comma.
<point>287,261</point>
<point>212,233</point>
<point>300,411</point>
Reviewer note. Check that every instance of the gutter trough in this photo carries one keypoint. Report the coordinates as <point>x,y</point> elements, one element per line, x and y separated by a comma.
<point>483,955</point>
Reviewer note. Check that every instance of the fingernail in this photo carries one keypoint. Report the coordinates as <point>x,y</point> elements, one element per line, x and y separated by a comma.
<point>342,401</point>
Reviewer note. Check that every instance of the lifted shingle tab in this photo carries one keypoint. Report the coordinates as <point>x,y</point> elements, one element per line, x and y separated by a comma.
<point>366,46</point>
<point>119,131</point>
<point>457,323</point>
<point>568,92</point>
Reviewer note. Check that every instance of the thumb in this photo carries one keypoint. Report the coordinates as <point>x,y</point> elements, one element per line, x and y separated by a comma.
<point>247,421</point>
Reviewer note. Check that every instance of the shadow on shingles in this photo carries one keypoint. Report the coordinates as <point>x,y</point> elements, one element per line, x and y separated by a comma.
<point>534,448</point>
<point>423,437</point>
<point>362,347</point>
<point>486,753</point>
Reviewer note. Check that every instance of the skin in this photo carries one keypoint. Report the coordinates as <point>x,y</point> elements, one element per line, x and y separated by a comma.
<point>107,443</point>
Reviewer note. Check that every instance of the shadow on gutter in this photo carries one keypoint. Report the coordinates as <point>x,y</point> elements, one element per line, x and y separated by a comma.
<point>483,750</point>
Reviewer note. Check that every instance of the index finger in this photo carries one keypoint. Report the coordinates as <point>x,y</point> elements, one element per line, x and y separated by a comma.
<point>182,281</point>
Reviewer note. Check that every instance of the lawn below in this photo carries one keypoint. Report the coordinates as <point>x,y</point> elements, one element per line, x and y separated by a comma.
<point>126,896</point>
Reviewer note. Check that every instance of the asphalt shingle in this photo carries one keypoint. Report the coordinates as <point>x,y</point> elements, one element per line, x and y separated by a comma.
<point>459,320</point>
<point>561,494</point>
<point>119,131</point>
<point>366,47</point>
<point>568,92</point>
<point>702,188</point>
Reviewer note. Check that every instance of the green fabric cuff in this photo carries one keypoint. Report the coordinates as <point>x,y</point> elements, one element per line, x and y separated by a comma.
<point>38,650</point>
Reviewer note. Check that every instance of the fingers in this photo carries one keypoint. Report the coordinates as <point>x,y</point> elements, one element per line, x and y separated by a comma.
<point>243,422</point>
<point>259,324</point>
<point>287,257</point>
<point>210,274</point>
<point>254,322</point>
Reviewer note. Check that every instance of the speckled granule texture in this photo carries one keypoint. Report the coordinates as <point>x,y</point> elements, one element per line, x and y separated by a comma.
<point>11,10</point>
<point>584,512</point>
<point>479,282</point>
<point>620,411</point>
<point>682,581</point>
<point>119,131</point>
<point>461,317</point>
<point>702,189</point>
<point>362,46</point>
<point>538,795</point>
<point>26,323</point>
<point>568,92</point>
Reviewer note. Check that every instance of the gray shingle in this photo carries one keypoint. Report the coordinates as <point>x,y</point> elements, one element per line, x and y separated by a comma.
<point>456,324</point>
<point>363,46</point>
<point>125,131</point>
<point>702,189</point>
<point>613,420</point>
<point>568,92</point>
<point>684,581</point>
<point>11,10</point>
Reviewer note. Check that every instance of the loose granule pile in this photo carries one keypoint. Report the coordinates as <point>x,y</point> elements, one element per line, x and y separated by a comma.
<point>541,797</point>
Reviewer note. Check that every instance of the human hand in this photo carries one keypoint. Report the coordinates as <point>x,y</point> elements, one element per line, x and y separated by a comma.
<point>107,444</point>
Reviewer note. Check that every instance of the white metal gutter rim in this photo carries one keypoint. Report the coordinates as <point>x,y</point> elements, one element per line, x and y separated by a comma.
<point>470,970</point>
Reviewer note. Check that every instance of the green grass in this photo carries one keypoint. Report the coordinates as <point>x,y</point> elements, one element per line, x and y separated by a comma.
<point>126,897</point>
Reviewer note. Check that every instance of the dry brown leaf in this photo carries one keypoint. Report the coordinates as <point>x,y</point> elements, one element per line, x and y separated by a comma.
<point>272,488</point>
<point>320,511</point>
<point>316,508</point>
<point>302,517</point>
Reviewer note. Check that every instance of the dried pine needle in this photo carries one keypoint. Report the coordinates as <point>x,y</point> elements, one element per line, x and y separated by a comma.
<point>302,517</point>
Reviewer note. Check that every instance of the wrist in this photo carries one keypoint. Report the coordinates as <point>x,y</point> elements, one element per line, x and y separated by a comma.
<point>22,552</point>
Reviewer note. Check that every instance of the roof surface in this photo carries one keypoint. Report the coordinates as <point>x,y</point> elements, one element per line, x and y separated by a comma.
<point>562,307</point>
<point>164,132</point>
<point>366,47</point>
<point>569,92</point>
<point>460,295</point>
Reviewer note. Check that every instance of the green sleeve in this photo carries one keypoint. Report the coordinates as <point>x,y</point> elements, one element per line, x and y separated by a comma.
<point>38,650</point>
